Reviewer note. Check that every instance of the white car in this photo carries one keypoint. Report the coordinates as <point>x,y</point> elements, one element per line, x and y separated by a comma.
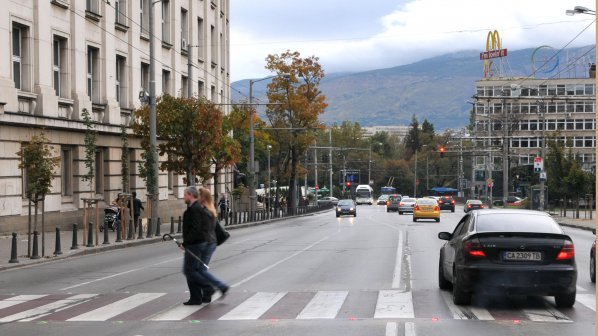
<point>328,201</point>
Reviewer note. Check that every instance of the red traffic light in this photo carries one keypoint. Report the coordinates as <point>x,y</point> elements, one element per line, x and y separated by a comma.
<point>441,150</point>
<point>348,183</point>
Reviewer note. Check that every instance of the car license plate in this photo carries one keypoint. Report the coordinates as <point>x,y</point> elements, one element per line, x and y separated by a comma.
<point>522,256</point>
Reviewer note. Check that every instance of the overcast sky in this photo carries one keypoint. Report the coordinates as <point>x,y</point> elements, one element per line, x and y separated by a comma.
<point>352,35</point>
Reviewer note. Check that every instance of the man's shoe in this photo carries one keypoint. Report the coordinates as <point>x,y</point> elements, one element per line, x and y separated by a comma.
<point>224,290</point>
<point>192,303</point>
<point>206,299</point>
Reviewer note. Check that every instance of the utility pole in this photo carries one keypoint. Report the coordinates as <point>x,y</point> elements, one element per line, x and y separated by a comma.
<point>316,170</point>
<point>330,159</point>
<point>415,176</point>
<point>461,175</point>
<point>251,154</point>
<point>370,164</point>
<point>543,156</point>
<point>490,162</point>
<point>427,172</point>
<point>190,71</point>
<point>154,188</point>
<point>505,152</point>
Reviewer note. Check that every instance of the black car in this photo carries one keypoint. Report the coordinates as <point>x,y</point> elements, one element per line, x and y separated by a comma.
<point>473,205</point>
<point>447,203</point>
<point>346,207</point>
<point>508,252</point>
<point>593,260</point>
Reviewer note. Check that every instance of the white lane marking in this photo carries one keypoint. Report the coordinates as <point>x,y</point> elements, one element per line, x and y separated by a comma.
<point>116,308</point>
<point>15,300</point>
<point>264,270</point>
<point>469,313</point>
<point>324,305</point>
<point>546,314</point>
<point>396,276</point>
<point>392,329</point>
<point>410,329</point>
<point>254,307</point>
<point>394,304</point>
<point>180,312</point>
<point>44,310</point>
<point>588,300</point>
<point>119,274</point>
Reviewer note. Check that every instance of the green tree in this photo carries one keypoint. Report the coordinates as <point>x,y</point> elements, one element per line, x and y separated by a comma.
<point>90,151</point>
<point>296,102</point>
<point>412,140</point>
<point>38,164</point>
<point>226,153</point>
<point>188,129</point>
<point>124,158</point>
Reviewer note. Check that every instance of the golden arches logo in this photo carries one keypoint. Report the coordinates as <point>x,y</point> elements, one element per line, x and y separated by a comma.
<point>493,41</point>
<point>493,50</point>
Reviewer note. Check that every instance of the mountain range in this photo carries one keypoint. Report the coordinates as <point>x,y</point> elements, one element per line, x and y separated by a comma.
<point>437,88</point>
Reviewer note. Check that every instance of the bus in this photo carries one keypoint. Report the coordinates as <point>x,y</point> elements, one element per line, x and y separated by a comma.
<point>388,191</point>
<point>364,194</point>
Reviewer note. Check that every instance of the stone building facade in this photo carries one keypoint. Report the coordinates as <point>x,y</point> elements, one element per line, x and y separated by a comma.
<point>63,56</point>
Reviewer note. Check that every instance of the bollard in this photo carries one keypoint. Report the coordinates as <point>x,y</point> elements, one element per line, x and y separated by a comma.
<point>158,223</point>
<point>131,231</point>
<point>57,246</point>
<point>90,236</point>
<point>140,236</point>
<point>74,245</point>
<point>34,253</point>
<point>171,225</point>
<point>13,249</point>
<point>180,227</point>
<point>119,233</point>
<point>106,239</point>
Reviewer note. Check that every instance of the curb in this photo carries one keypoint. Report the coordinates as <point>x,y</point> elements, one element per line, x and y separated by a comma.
<point>141,242</point>
<point>575,226</point>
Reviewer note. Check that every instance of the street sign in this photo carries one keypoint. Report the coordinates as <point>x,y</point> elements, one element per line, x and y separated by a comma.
<point>543,176</point>
<point>538,164</point>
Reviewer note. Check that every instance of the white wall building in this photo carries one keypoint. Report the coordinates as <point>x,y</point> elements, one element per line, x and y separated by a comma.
<point>63,56</point>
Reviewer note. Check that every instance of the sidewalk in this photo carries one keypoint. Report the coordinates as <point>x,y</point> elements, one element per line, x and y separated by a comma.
<point>584,222</point>
<point>67,236</point>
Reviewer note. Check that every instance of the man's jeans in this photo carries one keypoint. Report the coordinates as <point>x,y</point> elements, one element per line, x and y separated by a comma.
<point>199,280</point>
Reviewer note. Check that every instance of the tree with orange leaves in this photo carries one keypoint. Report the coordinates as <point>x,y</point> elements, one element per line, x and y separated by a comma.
<point>295,103</point>
<point>189,132</point>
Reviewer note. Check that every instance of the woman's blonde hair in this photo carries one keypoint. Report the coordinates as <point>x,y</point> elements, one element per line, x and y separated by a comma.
<point>208,201</point>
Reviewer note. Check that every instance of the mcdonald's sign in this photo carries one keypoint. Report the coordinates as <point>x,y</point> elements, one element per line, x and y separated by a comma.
<point>493,47</point>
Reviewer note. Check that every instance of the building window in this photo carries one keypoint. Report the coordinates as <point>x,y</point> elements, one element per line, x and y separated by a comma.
<point>145,75</point>
<point>67,171</point>
<point>184,29</point>
<point>213,49</point>
<point>200,89</point>
<point>213,94</point>
<point>200,39</point>
<point>184,87</point>
<point>165,82</point>
<point>121,81</point>
<point>20,56</point>
<point>221,42</point>
<point>120,8</point>
<point>93,6</point>
<point>589,124</point>
<point>93,74</point>
<point>144,16</point>
<point>59,66</point>
<point>166,21</point>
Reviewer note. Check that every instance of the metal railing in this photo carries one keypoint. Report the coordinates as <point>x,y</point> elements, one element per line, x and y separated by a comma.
<point>243,217</point>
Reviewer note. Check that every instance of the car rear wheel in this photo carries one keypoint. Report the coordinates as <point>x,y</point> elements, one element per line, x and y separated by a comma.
<point>453,210</point>
<point>337,215</point>
<point>437,220</point>
<point>354,215</point>
<point>387,210</point>
<point>443,283</point>
<point>593,267</point>
<point>414,219</point>
<point>400,212</point>
<point>565,300</point>
<point>460,297</point>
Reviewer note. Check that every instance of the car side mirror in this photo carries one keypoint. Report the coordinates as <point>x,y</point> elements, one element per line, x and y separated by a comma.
<point>445,236</point>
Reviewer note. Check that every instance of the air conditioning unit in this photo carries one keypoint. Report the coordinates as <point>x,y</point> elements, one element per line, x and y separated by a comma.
<point>184,44</point>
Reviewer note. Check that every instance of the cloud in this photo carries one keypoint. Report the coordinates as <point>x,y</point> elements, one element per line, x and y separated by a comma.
<point>417,29</point>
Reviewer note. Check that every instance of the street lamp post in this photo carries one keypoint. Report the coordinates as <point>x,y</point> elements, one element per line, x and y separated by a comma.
<point>269,190</point>
<point>415,173</point>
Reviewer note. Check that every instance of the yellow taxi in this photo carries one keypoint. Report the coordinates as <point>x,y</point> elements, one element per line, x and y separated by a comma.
<point>426,208</point>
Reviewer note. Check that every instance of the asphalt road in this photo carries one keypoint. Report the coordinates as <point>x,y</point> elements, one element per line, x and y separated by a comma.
<point>375,274</point>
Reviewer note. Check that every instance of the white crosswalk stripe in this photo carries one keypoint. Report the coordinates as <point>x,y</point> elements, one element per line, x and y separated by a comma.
<point>179,312</point>
<point>394,304</point>
<point>588,300</point>
<point>109,311</point>
<point>254,307</point>
<point>546,314</point>
<point>324,305</point>
<point>15,300</point>
<point>46,309</point>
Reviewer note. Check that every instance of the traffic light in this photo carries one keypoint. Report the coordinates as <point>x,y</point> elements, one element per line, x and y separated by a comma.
<point>348,184</point>
<point>441,150</point>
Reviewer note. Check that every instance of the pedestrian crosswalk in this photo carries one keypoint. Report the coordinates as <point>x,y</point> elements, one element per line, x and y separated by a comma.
<point>237,306</point>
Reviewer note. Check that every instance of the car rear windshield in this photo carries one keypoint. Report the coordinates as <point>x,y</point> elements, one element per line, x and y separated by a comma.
<point>427,201</point>
<point>474,202</point>
<point>394,198</point>
<point>516,222</point>
<point>345,202</point>
<point>408,200</point>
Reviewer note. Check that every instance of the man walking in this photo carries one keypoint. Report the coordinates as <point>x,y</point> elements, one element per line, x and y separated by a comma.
<point>195,237</point>
<point>137,207</point>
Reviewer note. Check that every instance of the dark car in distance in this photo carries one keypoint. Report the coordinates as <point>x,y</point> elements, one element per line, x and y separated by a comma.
<point>392,204</point>
<point>508,252</point>
<point>346,207</point>
<point>473,205</point>
<point>447,203</point>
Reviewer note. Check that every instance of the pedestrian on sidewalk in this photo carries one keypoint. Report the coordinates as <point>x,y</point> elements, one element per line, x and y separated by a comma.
<point>223,205</point>
<point>207,250</point>
<point>137,207</point>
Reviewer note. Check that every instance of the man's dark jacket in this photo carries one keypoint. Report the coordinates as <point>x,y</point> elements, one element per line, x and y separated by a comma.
<point>198,225</point>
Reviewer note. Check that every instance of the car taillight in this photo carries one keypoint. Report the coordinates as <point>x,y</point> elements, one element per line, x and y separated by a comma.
<point>402,204</point>
<point>453,202</point>
<point>417,207</point>
<point>440,201</point>
<point>474,248</point>
<point>387,202</point>
<point>567,252</point>
<point>469,206</point>
<point>482,206</point>
<point>437,208</point>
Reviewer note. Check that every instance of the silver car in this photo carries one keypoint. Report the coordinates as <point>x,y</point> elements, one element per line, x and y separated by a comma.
<point>406,205</point>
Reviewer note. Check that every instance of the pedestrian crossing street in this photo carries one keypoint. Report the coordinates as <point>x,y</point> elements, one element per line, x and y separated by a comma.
<point>238,306</point>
